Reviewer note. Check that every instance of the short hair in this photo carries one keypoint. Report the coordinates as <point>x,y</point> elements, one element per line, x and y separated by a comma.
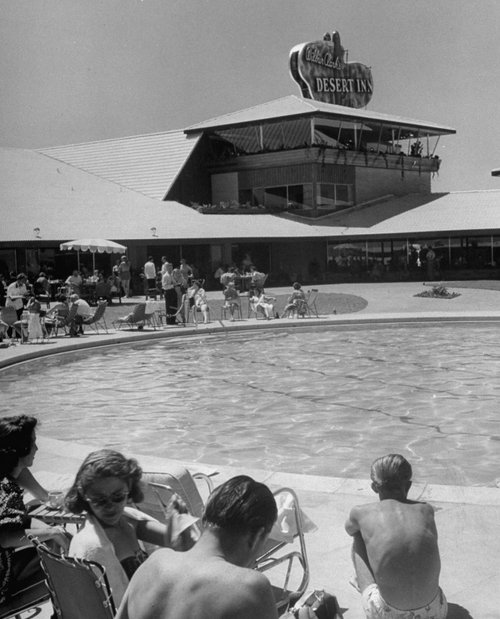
<point>241,505</point>
<point>150,258</point>
<point>98,465</point>
<point>15,441</point>
<point>391,472</point>
<point>74,297</point>
<point>297,286</point>
<point>21,276</point>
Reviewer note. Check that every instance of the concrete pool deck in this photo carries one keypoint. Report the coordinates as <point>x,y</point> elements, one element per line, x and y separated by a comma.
<point>467,517</point>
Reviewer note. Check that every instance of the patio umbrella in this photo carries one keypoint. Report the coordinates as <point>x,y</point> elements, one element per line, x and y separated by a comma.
<point>101,246</point>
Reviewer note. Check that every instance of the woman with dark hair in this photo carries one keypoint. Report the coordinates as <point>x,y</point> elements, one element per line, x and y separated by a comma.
<point>19,563</point>
<point>104,484</point>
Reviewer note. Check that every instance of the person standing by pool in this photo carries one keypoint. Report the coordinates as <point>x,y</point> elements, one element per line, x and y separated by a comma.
<point>169,293</point>
<point>214,579</point>
<point>150,273</point>
<point>395,549</point>
<point>17,293</point>
<point>124,274</point>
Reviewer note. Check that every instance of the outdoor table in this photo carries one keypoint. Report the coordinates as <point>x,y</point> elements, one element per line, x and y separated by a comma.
<point>56,516</point>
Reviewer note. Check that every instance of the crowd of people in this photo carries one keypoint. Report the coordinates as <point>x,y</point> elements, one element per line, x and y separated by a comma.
<point>209,574</point>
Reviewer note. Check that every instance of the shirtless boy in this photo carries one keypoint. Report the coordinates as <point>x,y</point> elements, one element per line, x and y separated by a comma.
<point>214,579</point>
<point>395,550</point>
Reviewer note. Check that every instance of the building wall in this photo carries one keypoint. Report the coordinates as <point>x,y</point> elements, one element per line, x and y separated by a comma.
<point>293,261</point>
<point>375,182</point>
<point>193,183</point>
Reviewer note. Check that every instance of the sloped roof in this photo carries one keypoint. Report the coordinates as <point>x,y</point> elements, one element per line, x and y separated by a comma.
<point>66,203</point>
<point>148,164</point>
<point>295,106</point>
<point>442,213</point>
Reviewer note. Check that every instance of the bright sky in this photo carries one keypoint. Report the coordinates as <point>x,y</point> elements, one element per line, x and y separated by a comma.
<point>80,70</point>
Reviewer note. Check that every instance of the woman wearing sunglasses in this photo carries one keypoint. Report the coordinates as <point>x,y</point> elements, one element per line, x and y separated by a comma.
<point>104,484</point>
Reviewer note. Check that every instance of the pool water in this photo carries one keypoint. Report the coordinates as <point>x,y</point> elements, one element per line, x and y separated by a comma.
<point>318,401</point>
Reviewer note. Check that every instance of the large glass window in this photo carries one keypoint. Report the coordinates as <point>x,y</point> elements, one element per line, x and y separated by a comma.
<point>282,197</point>
<point>334,196</point>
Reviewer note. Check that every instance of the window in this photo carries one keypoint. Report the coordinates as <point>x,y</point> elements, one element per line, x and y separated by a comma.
<point>334,196</point>
<point>281,197</point>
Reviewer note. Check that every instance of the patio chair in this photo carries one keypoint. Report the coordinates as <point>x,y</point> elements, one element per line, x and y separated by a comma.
<point>97,319</point>
<point>236,303</point>
<point>8,319</point>
<point>285,557</point>
<point>136,318</point>
<point>159,488</point>
<point>79,589</point>
<point>64,320</point>
<point>312,295</point>
<point>29,597</point>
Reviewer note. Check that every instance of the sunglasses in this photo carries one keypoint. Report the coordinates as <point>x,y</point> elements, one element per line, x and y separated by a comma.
<point>107,500</point>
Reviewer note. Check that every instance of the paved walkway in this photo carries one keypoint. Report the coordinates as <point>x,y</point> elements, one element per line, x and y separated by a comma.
<point>467,518</point>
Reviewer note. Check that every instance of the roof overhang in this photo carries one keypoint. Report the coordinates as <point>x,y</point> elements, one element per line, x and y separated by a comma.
<point>293,108</point>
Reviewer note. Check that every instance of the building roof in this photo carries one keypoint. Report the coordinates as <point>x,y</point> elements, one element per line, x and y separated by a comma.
<point>148,164</point>
<point>66,203</point>
<point>293,106</point>
<point>465,211</point>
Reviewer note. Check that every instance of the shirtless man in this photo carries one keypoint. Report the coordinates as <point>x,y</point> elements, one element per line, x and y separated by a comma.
<point>395,550</point>
<point>214,579</point>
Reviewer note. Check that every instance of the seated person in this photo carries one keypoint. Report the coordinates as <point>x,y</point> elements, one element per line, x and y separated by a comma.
<point>232,299</point>
<point>395,550</point>
<point>261,303</point>
<point>103,289</point>
<point>94,278</point>
<point>215,578</point>
<point>19,564</point>
<point>105,483</point>
<point>57,314</point>
<point>257,279</point>
<point>74,283</point>
<point>198,300</point>
<point>83,311</point>
<point>115,287</point>
<point>296,302</point>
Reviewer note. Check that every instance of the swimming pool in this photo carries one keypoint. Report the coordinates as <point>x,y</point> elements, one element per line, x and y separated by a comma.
<point>315,401</point>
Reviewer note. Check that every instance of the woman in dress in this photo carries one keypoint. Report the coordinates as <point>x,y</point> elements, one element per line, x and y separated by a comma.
<point>19,562</point>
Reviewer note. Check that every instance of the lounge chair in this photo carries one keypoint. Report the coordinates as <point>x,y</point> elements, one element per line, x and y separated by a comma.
<point>159,488</point>
<point>285,555</point>
<point>79,589</point>
<point>184,529</point>
<point>136,318</point>
<point>311,307</point>
<point>97,318</point>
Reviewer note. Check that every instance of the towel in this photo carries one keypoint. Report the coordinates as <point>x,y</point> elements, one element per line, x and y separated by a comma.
<point>285,528</point>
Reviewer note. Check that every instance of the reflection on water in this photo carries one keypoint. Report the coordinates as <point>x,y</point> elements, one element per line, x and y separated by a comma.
<point>324,402</point>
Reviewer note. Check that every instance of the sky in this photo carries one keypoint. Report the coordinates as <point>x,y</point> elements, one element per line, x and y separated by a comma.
<point>82,70</point>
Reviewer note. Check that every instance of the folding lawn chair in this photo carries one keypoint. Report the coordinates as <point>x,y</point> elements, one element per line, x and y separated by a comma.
<point>311,307</point>
<point>97,318</point>
<point>160,487</point>
<point>136,318</point>
<point>285,556</point>
<point>79,589</point>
